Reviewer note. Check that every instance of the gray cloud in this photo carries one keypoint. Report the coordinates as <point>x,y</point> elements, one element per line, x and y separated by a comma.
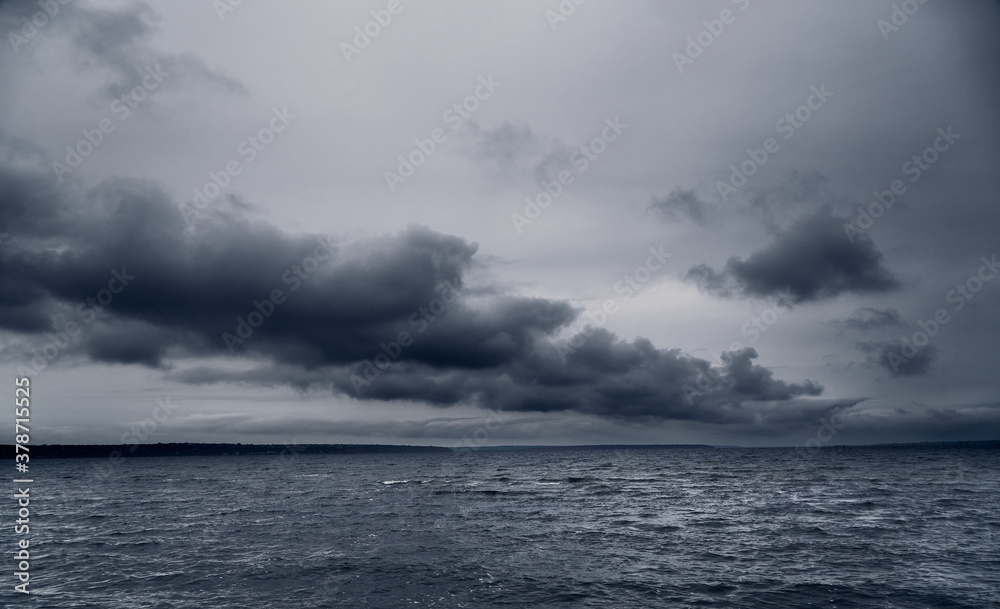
<point>801,192</point>
<point>784,423</point>
<point>812,260</point>
<point>117,43</point>
<point>681,204</point>
<point>868,318</point>
<point>118,40</point>
<point>972,422</point>
<point>516,151</point>
<point>891,356</point>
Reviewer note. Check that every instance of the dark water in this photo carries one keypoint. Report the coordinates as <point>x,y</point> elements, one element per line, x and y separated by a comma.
<point>582,528</point>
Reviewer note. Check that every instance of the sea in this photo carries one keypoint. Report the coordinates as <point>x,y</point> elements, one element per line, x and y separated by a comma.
<point>609,527</point>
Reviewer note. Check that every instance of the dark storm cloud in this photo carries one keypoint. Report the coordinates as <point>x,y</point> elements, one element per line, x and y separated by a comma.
<point>899,359</point>
<point>115,41</point>
<point>812,260</point>
<point>868,318</point>
<point>196,280</point>
<point>605,376</point>
<point>191,285</point>
<point>28,202</point>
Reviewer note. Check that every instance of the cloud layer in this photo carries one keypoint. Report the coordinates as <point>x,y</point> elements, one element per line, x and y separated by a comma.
<point>388,318</point>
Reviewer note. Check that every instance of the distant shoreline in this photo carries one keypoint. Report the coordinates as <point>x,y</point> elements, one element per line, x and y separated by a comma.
<point>188,449</point>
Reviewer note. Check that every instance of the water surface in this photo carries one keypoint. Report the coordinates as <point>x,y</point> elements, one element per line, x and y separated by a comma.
<point>765,528</point>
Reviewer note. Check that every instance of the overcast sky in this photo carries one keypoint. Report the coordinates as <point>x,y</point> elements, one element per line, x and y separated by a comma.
<point>731,222</point>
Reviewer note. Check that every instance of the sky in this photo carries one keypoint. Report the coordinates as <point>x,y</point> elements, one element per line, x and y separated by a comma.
<point>467,224</point>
